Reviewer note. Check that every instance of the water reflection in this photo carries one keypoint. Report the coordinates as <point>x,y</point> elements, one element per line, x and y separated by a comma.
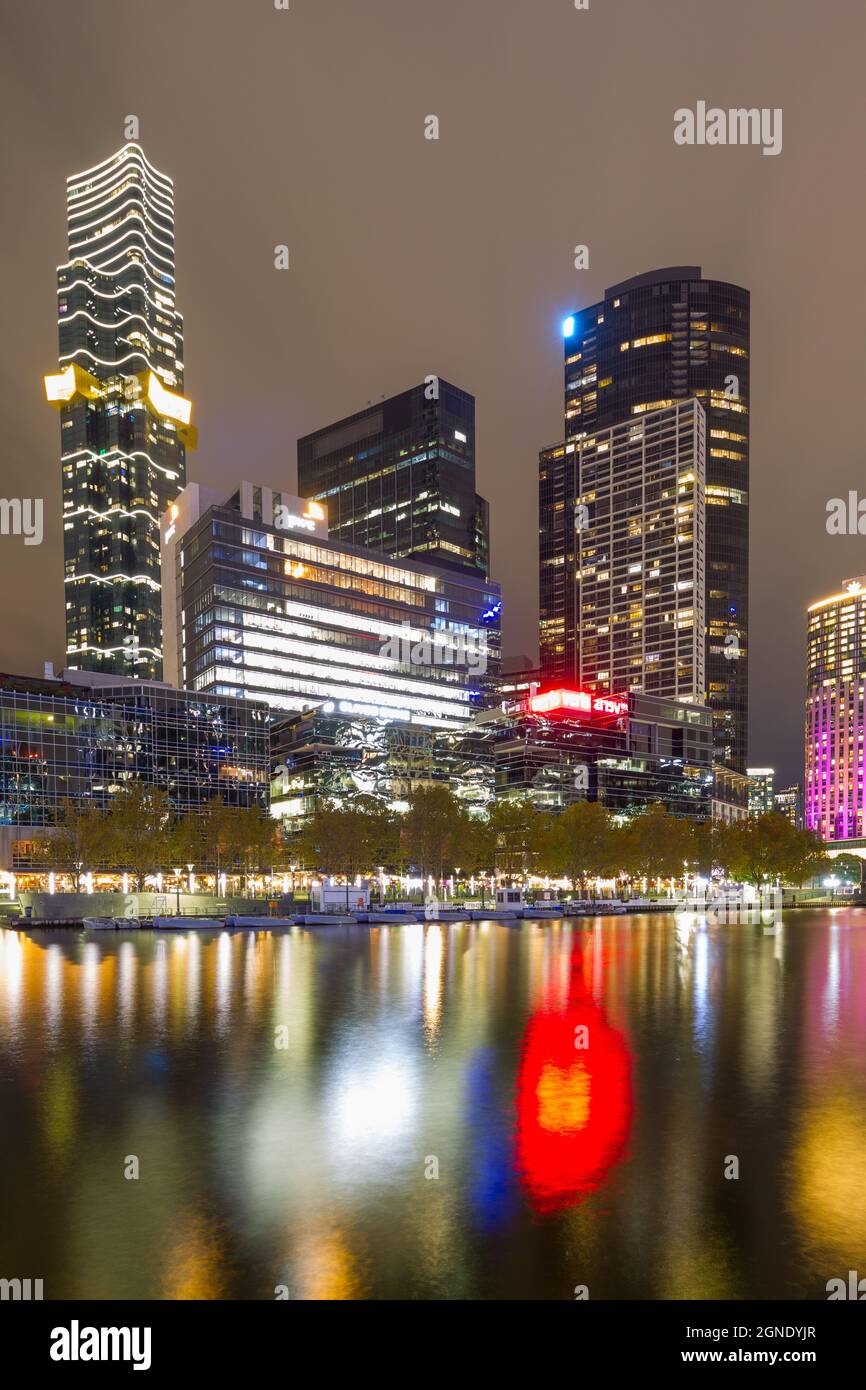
<point>573,1091</point>
<point>439,1110</point>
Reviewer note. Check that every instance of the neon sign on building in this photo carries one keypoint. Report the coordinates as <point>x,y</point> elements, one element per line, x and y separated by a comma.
<point>578,702</point>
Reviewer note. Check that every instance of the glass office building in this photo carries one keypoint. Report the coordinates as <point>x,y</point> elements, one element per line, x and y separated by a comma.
<point>261,603</point>
<point>399,477</point>
<point>627,752</point>
<point>653,341</point>
<point>323,760</point>
<point>551,747</point>
<point>125,424</point>
<point>73,738</point>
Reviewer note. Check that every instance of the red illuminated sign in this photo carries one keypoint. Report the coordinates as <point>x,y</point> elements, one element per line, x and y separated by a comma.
<point>579,701</point>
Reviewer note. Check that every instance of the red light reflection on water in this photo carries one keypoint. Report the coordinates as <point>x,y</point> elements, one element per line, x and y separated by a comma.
<point>574,1098</point>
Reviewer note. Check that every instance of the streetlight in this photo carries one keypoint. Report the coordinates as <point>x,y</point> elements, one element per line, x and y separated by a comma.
<point>177,874</point>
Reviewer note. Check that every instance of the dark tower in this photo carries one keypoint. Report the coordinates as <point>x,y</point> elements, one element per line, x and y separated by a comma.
<point>653,341</point>
<point>400,477</point>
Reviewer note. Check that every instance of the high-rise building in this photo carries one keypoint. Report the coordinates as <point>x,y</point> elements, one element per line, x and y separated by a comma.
<point>259,602</point>
<point>622,556</point>
<point>652,342</point>
<point>124,422</point>
<point>760,790</point>
<point>835,725</point>
<point>399,477</point>
<point>789,802</point>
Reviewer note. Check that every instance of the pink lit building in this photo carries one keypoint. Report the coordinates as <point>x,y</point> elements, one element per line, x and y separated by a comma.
<point>836,684</point>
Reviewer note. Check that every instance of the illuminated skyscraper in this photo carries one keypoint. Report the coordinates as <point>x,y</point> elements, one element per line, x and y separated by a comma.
<point>651,343</point>
<point>627,505</point>
<point>761,796</point>
<point>400,477</point>
<point>835,726</point>
<point>260,603</point>
<point>124,423</point>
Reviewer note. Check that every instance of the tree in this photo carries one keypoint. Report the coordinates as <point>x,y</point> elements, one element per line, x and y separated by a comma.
<point>583,842</point>
<point>206,838</point>
<point>382,831</point>
<point>81,840</point>
<point>767,848</point>
<point>340,841</point>
<point>515,826</point>
<point>434,831</point>
<point>139,836</point>
<point>656,844</point>
<point>252,839</point>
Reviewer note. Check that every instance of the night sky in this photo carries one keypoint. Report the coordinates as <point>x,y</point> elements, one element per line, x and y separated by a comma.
<point>411,257</point>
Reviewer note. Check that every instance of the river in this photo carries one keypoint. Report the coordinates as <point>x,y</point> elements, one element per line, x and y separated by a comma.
<point>624,1107</point>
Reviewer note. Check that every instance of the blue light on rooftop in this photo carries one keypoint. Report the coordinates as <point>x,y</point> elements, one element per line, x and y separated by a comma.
<point>568,326</point>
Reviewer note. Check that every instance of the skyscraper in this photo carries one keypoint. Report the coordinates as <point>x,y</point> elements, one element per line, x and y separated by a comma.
<point>761,796</point>
<point>835,725</point>
<point>626,507</point>
<point>651,342</point>
<point>260,603</point>
<point>399,477</point>
<point>124,422</point>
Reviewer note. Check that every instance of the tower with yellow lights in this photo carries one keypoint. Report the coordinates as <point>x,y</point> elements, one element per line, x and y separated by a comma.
<point>125,424</point>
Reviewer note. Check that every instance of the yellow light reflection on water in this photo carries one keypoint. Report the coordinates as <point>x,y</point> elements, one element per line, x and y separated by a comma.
<point>828,1175</point>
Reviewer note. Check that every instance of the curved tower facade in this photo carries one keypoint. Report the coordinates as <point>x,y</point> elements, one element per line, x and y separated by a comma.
<point>125,424</point>
<point>835,726</point>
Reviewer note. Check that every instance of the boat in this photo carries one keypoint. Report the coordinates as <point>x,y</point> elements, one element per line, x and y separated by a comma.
<point>187,924</point>
<point>261,922</point>
<point>385,919</point>
<point>326,919</point>
<point>494,914</point>
<point>100,923</point>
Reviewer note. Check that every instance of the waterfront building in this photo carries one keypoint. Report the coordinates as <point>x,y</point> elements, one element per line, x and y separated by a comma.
<point>552,747</point>
<point>322,759</point>
<point>835,690</point>
<point>760,790</point>
<point>730,800</point>
<point>653,342</point>
<point>85,736</point>
<point>399,477</point>
<point>125,424</point>
<point>626,751</point>
<point>261,603</point>
<point>622,544</point>
<point>788,801</point>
